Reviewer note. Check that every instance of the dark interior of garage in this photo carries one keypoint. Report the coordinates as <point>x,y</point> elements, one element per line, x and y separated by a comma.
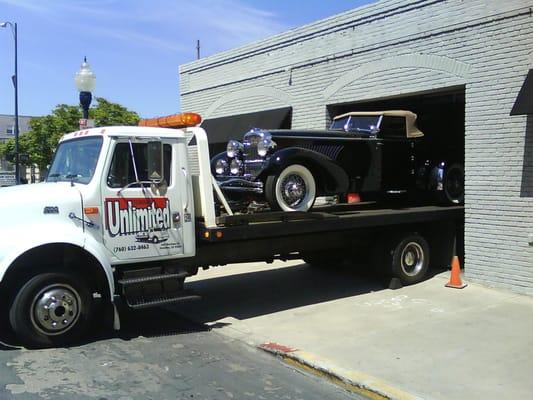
<point>441,114</point>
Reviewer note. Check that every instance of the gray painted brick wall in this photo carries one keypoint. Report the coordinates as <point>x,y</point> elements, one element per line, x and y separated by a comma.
<point>399,47</point>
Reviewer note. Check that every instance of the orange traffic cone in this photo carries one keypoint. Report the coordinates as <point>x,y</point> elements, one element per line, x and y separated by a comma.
<point>455,278</point>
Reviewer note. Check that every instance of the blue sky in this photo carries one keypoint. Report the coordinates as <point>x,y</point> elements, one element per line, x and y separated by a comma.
<point>133,46</point>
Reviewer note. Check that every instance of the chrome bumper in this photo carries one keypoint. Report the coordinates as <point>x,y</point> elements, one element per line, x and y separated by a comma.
<point>241,185</point>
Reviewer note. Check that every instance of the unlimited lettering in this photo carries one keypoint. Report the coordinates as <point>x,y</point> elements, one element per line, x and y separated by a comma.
<point>127,216</point>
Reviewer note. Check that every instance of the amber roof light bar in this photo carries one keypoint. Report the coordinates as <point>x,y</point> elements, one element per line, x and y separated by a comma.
<point>182,120</point>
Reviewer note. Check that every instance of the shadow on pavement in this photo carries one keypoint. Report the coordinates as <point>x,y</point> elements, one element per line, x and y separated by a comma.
<point>252,294</point>
<point>156,322</point>
<point>240,296</point>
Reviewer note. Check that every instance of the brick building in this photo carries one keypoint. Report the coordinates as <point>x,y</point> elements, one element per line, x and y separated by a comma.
<point>7,131</point>
<point>459,65</point>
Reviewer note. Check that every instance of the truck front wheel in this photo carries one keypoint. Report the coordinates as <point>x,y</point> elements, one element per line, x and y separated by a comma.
<point>51,309</point>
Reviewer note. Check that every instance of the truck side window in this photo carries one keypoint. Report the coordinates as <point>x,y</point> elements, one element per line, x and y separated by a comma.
<point>122,172</point>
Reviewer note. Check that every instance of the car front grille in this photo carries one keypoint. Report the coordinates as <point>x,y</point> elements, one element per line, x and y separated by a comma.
<point>250,147</point>
<point>253,162</point>
<point>253,167</point>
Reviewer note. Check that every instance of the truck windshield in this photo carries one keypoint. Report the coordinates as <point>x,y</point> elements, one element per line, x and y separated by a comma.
<point>357,123</point>
<point>75,160</point>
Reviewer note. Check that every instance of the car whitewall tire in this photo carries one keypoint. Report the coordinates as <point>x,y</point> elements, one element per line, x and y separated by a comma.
<point>293,189</point>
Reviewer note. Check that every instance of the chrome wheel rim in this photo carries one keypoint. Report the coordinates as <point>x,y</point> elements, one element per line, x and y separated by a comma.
<point>55,309</point>
<point>293,190</point>
<point>412,259</point>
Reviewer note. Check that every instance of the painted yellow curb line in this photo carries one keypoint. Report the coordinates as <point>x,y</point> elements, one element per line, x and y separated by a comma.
<point>353,381</point>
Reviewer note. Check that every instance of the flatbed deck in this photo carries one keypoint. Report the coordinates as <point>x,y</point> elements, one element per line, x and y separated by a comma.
<point>279,224</point>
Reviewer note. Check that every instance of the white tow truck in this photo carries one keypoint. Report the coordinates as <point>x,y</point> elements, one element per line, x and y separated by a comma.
<point>127,213</point>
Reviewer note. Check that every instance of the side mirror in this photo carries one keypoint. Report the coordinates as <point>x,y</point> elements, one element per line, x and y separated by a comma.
<point>155,161</point>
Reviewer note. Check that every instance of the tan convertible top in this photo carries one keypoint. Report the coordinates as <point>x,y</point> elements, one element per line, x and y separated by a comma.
<point>410,119</point>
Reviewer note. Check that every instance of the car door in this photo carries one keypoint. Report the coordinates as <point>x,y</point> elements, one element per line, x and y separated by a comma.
<point>396,155</point>
<point>142,219</point>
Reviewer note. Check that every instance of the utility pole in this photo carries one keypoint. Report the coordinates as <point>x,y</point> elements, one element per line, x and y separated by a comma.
<point>14,79</point>
<point>198,49</point>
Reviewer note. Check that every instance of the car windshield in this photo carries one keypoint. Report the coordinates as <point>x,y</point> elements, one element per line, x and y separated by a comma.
<point>357,123</point>
<point>75,160</point>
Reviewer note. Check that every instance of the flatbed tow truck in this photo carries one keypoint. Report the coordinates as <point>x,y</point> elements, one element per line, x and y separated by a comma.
<point>128,213</point>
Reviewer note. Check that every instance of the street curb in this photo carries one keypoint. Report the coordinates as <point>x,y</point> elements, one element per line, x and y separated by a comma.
<point>353,381</point>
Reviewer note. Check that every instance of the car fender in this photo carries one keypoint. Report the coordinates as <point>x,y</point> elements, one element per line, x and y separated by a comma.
<point>63,234</point>
<point>333,177</point>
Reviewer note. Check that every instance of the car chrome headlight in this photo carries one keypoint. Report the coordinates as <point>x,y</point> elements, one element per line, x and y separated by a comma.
<point>233,148</point>
<point>265,145</point>
<point>221,167</point>
<point>235,167</point>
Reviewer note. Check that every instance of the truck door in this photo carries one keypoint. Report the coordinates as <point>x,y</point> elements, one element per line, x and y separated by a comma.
<point>141,219</point>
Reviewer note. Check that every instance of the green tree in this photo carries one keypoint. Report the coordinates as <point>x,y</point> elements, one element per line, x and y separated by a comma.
<point>109,114</point>
<point>41,140</point>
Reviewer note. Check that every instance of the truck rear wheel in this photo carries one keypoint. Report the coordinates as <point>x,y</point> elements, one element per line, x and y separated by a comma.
<point>51,309</point>
<point>409,258</point>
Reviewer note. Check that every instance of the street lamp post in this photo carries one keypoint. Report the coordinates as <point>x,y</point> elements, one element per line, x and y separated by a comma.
<point>14,78</point>
<point>85,82</point>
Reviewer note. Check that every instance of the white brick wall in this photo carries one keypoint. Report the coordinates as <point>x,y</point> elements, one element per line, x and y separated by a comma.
<point>399,47</point>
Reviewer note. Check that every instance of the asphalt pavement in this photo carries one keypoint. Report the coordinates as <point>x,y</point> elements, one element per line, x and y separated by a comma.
<point>159,356</point>
<point>421,341</point>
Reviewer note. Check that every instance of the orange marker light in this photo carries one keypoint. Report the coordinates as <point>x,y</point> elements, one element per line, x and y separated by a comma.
<point>206,234</point>
<point>91,210</point>
<point>219,234</point>
<point>182,120</point>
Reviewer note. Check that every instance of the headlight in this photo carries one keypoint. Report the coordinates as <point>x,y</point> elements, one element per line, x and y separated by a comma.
<point>235,167</point>
<point>221,166</point>
<point>264,146</point>
<point>234,147</point>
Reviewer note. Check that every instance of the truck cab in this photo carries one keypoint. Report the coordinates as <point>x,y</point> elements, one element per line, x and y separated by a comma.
<point>133,184</point>
<point>116,199</point>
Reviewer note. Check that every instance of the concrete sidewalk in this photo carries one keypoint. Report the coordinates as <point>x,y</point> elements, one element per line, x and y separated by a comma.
<point>422,341</point>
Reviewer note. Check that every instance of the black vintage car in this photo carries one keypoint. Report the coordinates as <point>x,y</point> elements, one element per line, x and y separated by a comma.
<point>363,156</point>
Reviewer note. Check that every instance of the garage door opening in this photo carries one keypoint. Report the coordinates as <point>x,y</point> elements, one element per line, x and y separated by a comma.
<point>441,114</point>
<point>441,117</point>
